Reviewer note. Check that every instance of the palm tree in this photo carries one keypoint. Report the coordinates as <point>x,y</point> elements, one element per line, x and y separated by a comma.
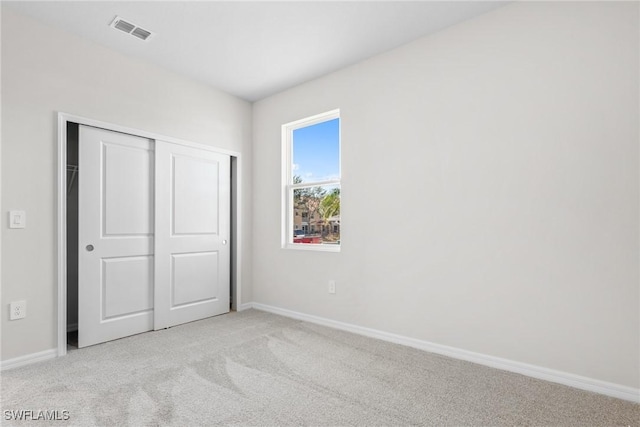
<point>329,207</point>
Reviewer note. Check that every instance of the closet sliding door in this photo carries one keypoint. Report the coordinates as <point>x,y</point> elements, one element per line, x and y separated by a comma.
<point>192,228</point>
<point>153,230</point>
<point>115,235</point>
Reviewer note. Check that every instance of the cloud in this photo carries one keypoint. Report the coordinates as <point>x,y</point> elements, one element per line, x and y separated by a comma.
<point>296,166</point>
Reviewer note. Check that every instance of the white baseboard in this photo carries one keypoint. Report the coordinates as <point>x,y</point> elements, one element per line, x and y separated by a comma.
<point>28,359</point>
<point>247,306</point>
<point>565,378</point>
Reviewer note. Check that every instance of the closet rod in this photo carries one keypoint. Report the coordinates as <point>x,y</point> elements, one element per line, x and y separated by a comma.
<point>74,171</point>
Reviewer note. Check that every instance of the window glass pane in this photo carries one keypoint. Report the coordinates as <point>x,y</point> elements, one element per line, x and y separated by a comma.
<point>316,151</point>
<point>317,215</point>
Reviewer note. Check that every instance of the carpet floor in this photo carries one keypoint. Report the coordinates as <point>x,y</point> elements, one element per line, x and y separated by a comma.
<point>256,368</point>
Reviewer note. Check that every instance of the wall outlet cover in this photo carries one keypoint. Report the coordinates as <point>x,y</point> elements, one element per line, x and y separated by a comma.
<point>17,310</point>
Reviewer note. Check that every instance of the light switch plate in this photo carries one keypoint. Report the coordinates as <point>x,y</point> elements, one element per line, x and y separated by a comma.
<point>17,219</point>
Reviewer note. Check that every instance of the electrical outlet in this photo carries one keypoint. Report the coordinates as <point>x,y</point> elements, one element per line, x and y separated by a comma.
<point>332,286</point>
<point>18,310</point>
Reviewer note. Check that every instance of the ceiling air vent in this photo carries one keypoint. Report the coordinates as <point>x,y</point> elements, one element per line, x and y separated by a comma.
<point>130,28</point>
<point>140,33</point>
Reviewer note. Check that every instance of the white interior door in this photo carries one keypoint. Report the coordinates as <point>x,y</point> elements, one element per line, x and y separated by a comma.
<point>115,232</point>
<point>192,231</point>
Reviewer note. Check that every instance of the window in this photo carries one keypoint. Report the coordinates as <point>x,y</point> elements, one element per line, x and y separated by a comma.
<point>311,183</point>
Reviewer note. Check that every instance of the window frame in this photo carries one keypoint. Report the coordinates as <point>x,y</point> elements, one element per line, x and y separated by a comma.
<point>288,187</point>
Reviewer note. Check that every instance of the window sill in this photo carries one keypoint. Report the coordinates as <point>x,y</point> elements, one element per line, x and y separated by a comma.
<point>312,247</point>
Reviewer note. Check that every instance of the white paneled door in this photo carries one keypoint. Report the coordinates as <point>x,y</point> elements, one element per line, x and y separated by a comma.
<point>115,226</point>
<point>154,226</point>
<point>191,234</point>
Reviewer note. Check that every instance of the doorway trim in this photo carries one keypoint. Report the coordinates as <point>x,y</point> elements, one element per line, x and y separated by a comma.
<point>61,186</point>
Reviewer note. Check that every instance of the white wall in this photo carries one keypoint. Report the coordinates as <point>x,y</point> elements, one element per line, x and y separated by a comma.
<point>44,71</point>
<point>490,190</point>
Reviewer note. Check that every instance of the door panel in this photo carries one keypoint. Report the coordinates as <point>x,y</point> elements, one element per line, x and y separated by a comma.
<point>126,177</point>
<point>192,276</point>
<point>191,234</point>
<point>115,226</point>
<point>195,183</point>
<point>127,286</point>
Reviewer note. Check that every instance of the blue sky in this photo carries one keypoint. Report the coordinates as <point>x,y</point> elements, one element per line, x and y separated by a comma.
<point>316,151</point>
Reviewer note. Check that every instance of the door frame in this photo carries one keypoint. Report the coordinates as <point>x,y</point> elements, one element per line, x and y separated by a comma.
<point>61,186</point>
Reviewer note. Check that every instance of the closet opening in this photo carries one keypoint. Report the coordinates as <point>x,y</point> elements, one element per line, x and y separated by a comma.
<point>70,131</point>
<point>73,173</point>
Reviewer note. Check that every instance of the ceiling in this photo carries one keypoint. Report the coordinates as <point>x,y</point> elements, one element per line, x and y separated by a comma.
<point>254,49</point>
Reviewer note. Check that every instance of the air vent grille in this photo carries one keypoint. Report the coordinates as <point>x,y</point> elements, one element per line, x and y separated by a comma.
<point>124,26</point>
<point>130,28</point>
<point>140,33</point>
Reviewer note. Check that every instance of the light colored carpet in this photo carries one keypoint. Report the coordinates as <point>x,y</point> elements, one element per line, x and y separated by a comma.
<point>256,368</point>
